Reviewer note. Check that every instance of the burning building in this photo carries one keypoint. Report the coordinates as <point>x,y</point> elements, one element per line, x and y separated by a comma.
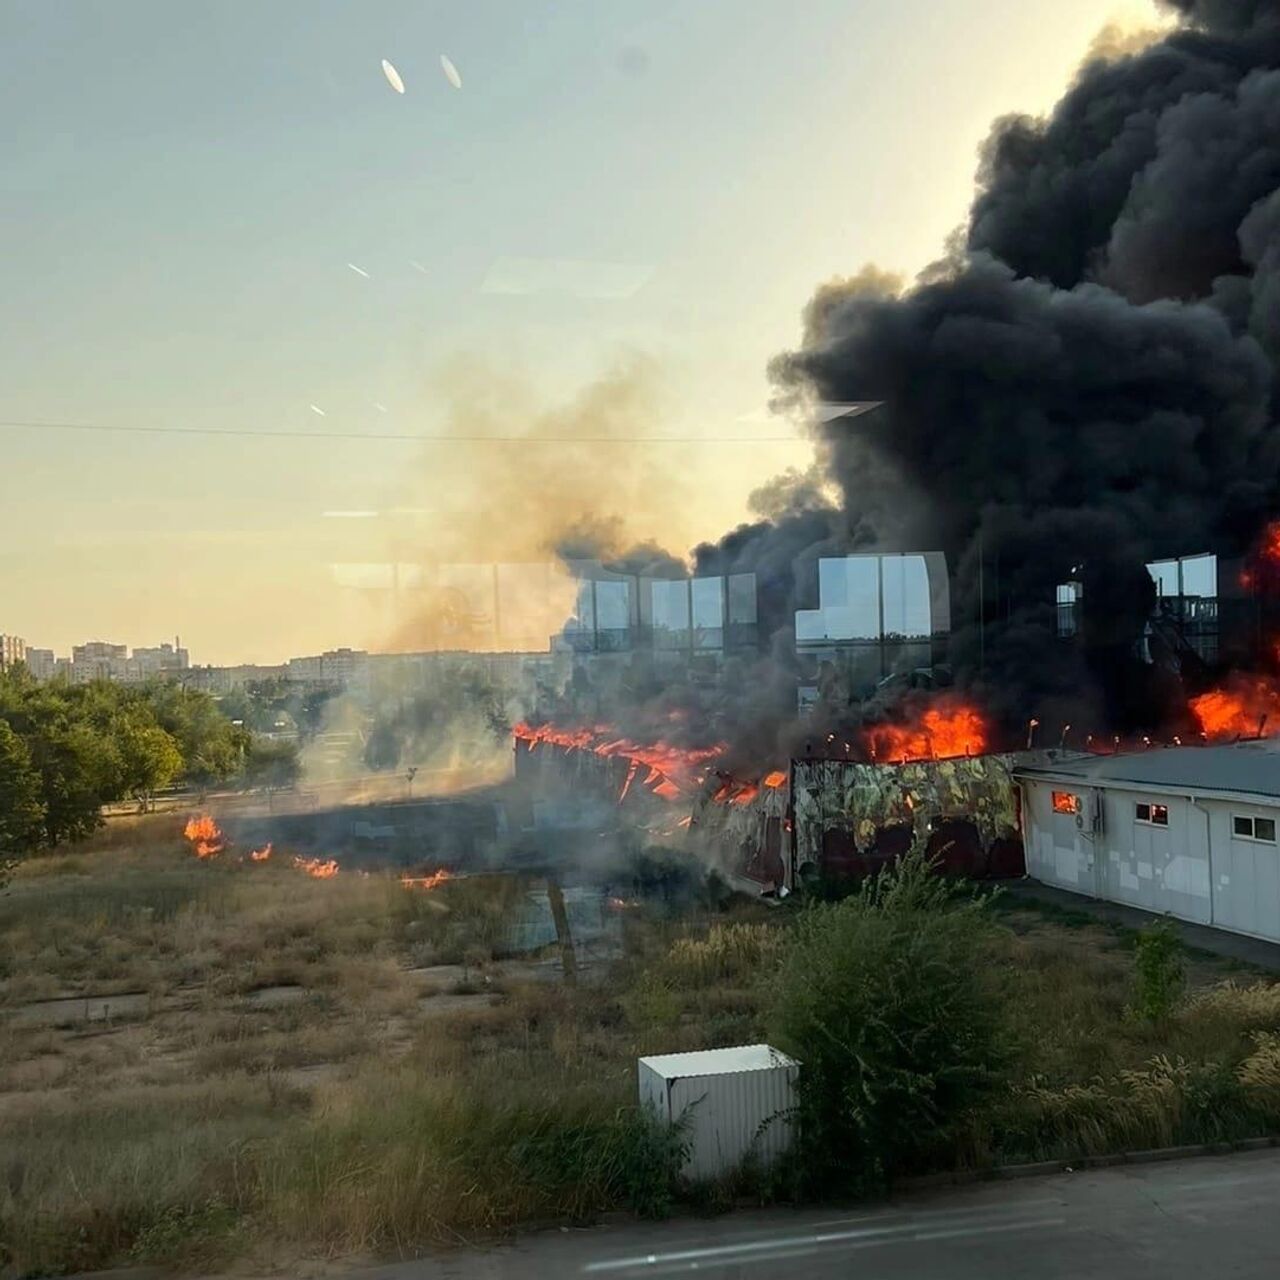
<point>1061,511</point>
<point>1078,416</point>
<point>820,816</point>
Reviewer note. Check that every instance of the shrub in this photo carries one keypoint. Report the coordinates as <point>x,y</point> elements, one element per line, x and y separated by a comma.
<point>650,1156</point>
<point>890,1002</point>
<point>187,1233</point>
<point>1159,974</point>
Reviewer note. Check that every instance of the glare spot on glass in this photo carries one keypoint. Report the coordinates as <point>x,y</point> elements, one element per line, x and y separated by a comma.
<point>393,76</point>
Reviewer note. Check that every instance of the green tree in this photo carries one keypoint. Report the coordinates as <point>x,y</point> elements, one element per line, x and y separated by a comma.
<point>77,770</point>
<point>21,807</point>
<point>271,763</point>
<point>150,758</point>
<point>212,748</point>
<point>890,1001</point>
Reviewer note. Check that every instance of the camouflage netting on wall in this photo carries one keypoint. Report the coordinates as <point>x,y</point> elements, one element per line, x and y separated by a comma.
<point>850,818</point>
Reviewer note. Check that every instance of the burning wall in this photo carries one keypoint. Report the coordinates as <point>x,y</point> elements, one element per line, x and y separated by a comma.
<point>836,817</point>
<point>609,764</point>
<point>845,819</point>
<point>851,818</point>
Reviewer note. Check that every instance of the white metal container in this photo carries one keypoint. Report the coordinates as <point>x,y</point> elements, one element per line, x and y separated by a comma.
<point>736,1102</point>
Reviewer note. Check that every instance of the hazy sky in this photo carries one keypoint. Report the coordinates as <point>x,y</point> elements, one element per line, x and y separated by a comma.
<point>183,186</point>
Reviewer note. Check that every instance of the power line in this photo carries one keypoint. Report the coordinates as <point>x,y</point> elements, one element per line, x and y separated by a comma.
<point>255,433</point>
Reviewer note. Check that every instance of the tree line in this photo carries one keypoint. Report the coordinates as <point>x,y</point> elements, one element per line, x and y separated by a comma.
<point>67,749</point>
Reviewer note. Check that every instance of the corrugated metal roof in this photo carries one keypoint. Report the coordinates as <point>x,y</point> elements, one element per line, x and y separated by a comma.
<point>1251,768</point>
<point>718,1062</point>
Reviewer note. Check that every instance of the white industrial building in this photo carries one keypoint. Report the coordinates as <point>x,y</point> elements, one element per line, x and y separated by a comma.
<point>1188,831</point>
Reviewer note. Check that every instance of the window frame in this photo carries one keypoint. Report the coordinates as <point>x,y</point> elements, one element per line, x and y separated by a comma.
<point>1151,806</point>
<point>1253,836</point>
<point>1074,809</point>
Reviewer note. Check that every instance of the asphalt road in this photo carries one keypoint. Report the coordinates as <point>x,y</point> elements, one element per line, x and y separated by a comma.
<point>1214,1216</point>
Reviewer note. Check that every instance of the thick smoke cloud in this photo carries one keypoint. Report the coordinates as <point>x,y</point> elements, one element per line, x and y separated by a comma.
<point>1086,384</point>
<point>580,485</point>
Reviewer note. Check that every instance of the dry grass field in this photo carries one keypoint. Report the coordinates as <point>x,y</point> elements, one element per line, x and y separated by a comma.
<point>214,1059</point>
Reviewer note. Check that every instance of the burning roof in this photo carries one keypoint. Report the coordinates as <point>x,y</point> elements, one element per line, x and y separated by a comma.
<point>664,770</point>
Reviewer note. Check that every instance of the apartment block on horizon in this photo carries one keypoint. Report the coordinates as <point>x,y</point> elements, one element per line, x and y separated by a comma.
<point>42,663</point>
<point>147,664</point>
<point>98,660</point>
<point>13,649</point>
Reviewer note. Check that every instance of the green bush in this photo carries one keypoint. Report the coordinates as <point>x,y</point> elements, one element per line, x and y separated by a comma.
<point>650,1157</point>
<point>891,1002</point>
<point>187,1233</point>
<point>1159,974</point>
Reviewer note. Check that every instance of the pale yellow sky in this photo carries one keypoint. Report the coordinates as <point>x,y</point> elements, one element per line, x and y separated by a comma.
<point>193,269</point>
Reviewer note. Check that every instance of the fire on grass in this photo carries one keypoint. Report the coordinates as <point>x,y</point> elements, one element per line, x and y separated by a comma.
<point>433,881</point>
<point>207,841</point>
<point>204,836</point>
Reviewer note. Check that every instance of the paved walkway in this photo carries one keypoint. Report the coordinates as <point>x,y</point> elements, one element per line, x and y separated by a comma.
<point>1233,946</point>
<point>1186,1220</point>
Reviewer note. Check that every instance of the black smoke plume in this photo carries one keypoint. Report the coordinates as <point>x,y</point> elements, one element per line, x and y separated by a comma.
<point>1086,384</point>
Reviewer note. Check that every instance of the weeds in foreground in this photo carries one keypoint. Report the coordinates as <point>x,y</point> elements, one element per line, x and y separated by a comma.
<point>346,1122</point>
<point>728,951</point>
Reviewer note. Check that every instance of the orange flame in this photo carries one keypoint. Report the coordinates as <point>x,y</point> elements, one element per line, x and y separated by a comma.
<point>1271,542</point>
<point>672,771</point>
<point>261,855</point>
<point>433,881</point>
<point>775,779</point>
<point>205,838</point>
<point>948,728</point>
<point>1244,707</point>
<point>1262,572</point>
<point>314,867</point>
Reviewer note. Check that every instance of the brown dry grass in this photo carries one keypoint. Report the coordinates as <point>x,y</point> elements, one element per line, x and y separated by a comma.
<point>216,1122</point>
<point>160,1135</point>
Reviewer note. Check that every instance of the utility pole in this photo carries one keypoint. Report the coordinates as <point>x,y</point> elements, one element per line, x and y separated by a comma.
<point>982,608</point>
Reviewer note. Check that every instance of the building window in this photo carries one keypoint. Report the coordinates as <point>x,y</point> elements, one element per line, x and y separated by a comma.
<point>1070,595</point>
<point>1065,802</point>
<point>1157,815</point>
<point>1263,829</point>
